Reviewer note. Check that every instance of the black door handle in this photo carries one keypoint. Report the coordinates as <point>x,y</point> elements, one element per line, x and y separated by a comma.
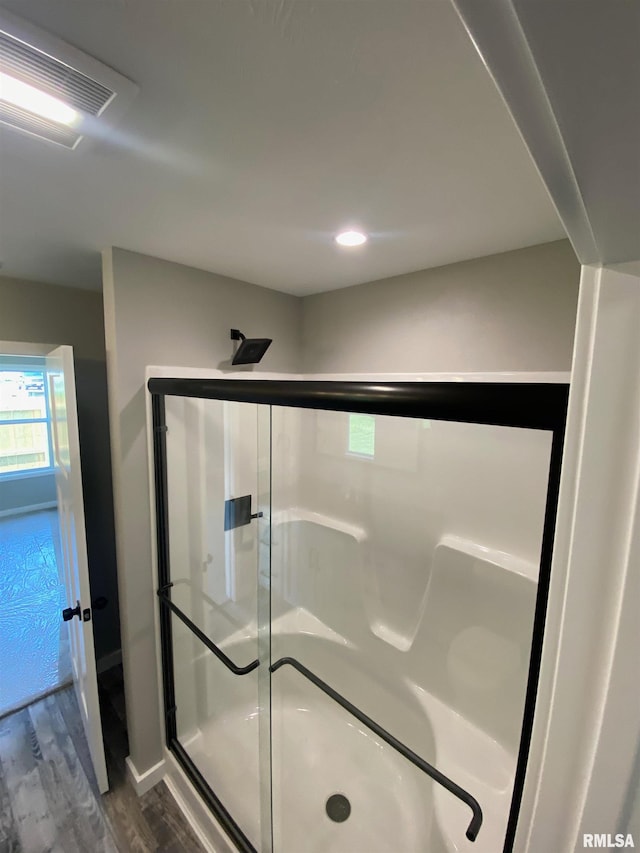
<point>69,612</point>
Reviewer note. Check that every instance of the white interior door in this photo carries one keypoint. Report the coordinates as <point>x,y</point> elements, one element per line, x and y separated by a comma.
<point>73,546</point>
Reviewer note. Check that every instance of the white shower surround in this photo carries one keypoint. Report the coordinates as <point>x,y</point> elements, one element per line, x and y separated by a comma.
<point>478,759</point>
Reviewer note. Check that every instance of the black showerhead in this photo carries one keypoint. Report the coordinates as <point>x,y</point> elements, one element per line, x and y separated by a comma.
<point>250,350</point>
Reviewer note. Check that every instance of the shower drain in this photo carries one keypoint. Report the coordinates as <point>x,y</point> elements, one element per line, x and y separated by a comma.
<point>338,807</point>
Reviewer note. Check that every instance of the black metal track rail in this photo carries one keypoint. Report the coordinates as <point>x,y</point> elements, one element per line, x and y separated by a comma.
<point>537,637</point>
<point>409,754</point>
<point>532,405</point>
<point>234,668</point>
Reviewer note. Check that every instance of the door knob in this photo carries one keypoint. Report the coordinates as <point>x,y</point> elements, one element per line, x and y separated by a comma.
<point>69,612</point>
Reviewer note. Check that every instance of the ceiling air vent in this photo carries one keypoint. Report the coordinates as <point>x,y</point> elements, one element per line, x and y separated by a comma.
<point>97,93</point>
<point>29,123</point>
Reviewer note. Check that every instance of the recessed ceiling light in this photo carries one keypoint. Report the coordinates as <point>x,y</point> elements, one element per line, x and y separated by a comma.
<point>351,238</point>
<point>33,100</point>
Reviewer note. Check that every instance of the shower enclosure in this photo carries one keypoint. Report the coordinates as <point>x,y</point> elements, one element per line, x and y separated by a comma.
<point>352,583</point>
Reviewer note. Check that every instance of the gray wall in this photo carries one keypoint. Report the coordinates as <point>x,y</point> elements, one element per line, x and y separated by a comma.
<point>25,492</point>
<point>34,312</point>
<point>158,312</point>
<point>513,311</point>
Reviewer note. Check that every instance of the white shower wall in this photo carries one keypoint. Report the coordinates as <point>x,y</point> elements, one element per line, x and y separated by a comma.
<point>424,556</point>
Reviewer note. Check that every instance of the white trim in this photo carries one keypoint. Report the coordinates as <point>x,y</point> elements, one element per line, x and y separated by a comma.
<point>520,376</point>
<point>28,473</point>
<point>22,510</point>
<point>504,47</point>
<point>587,724</point>
<point>108,661</point>
<point>143,782</point>
<point>202,821</point>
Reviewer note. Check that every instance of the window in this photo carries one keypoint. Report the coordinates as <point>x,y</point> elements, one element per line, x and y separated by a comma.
<point>25,434</point>
<point>362,435</point>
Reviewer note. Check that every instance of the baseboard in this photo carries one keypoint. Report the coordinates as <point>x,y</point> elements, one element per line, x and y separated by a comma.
<point>203,823</point>
<point>22,510</point>
<point>108,661</point>
<point>143,782</point>
<point>20,706</point>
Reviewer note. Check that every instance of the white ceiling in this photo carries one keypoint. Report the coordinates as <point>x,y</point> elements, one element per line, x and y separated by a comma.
<point>261,128</point>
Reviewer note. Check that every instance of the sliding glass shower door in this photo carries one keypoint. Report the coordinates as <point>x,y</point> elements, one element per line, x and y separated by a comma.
<point>405,564</point>
<point>215,537</point>
<point>352,582</point>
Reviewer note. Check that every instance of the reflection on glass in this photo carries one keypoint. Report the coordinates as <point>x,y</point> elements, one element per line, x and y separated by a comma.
<point>211,458</point>
<point>362,434</point>
<point>24,443</point>
<point>59,415</point>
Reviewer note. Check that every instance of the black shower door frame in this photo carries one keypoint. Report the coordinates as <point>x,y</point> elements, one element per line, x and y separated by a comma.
<point>539,406</point>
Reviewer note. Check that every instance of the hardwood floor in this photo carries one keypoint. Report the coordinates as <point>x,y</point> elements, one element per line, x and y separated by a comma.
<point>49,802</point>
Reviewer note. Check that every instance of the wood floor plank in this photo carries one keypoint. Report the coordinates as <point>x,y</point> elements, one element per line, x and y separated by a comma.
<point>71,714</point>
<point>121,804</point>
<point>70,796</point>
<point>167,821</point>
<point>48,803</point>
<point>9,841</point>
<point>52,785</point>
<point>37,830</point>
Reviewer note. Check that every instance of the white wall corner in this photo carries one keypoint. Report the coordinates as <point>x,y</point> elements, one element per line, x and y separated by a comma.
<point>586,728</point>
<point>143,782</point>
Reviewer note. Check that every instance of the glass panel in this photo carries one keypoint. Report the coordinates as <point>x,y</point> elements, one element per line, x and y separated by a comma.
<point>217,724</point>
<point>23,447</point>
<point>405,557</point>
<point>22,395</point>
<point>211,458</point>
<point>222,718</point>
